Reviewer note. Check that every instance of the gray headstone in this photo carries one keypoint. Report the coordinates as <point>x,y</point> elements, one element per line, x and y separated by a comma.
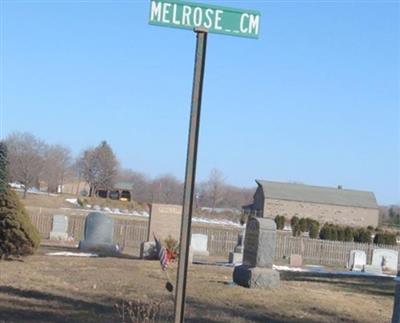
<point>240,243</point>
<point>59,229</point>
<point>259,243</point>
<point>236,256</point>
<point>258,256</point>
<point>99,228</point>
<point>98,236</point>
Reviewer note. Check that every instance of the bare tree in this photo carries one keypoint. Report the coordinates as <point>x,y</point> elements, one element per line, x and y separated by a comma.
<point>26,159</point>
<point>212,191</point>
<point>167,189</point>
<point>98,167</point>
<point>57,163</point>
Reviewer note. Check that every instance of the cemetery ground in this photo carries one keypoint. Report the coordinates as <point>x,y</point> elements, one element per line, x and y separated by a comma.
<point>44,288</point>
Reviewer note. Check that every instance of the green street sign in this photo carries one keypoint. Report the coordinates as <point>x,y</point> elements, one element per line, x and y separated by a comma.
<point>216,19</point>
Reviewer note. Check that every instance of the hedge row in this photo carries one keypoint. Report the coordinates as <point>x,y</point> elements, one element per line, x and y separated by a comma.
<point>335,232</point>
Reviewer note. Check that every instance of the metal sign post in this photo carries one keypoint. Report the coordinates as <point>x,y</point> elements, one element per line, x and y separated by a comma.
<point>190,177</point>
<point>203,19</point>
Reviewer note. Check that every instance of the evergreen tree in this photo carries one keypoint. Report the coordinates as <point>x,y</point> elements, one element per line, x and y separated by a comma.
<point>3,167</point>
<point>294,223</point>
<point>280,222</point>
<point>303,225</point>
<point>17,234</point>
<point>348,234</point>
<point>314,229</point>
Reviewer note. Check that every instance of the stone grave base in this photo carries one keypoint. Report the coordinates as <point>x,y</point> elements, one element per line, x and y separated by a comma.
<point>102,249</point>
<point>357,268</point>
<point>235,257</point>
<point>372,269</point>
<point>256,277</point>
<point>58,236</point>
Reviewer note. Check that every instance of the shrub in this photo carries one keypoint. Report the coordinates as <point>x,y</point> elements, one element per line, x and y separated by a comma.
<point>329,232</point>
<point>362,235</point>
<point>324,233</point>
<point>333,232</point>
<point>303,224</point>
<point>340,233</point>
<point>280,222</point>
<point>385,238</point>
<point>296,230</point>
<point>348,234</point>
<point>294,223</point>
<point>17,234</point>
<point>314,229</point>
<point>81,202</point>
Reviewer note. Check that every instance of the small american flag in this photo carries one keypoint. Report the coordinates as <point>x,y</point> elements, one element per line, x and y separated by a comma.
<point>162,253</point>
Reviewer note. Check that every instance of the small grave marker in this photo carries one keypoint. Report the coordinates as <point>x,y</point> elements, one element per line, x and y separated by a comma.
<point>199,244</point>
<point>357,260</point>
<point>296,260</point>
<point>59,230</point>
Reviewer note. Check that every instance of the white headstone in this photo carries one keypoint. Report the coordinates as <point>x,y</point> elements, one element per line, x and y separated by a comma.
<point>387,259</point>
<point>199,244</point>
<point>357,260</point>
<point>60,227</point>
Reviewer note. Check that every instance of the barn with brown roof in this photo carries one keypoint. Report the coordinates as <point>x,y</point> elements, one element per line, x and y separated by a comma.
<point>324,204</point>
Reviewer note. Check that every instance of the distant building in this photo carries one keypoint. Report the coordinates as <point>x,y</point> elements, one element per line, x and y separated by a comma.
<point>121,191</point>
<point>324,204</point>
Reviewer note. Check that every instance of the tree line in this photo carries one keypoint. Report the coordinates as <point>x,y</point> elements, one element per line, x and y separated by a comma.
<point>33,162</point>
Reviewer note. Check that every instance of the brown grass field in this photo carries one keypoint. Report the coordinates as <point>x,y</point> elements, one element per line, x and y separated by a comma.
<point>45,288</point>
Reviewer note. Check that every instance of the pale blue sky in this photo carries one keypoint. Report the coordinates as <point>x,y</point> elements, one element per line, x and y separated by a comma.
<point>314,100</point>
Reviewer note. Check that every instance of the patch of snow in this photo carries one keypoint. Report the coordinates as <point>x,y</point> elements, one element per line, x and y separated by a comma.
<point>16,185</point>
<point>220,210</point>
<point>72,201</point>
<point>71,254</point>
<point>219,222</point>
<point>96,207</point>
<point>107,209</point>
<point>287,268</point>
<point>139,213</point>
<point>322,270</point>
